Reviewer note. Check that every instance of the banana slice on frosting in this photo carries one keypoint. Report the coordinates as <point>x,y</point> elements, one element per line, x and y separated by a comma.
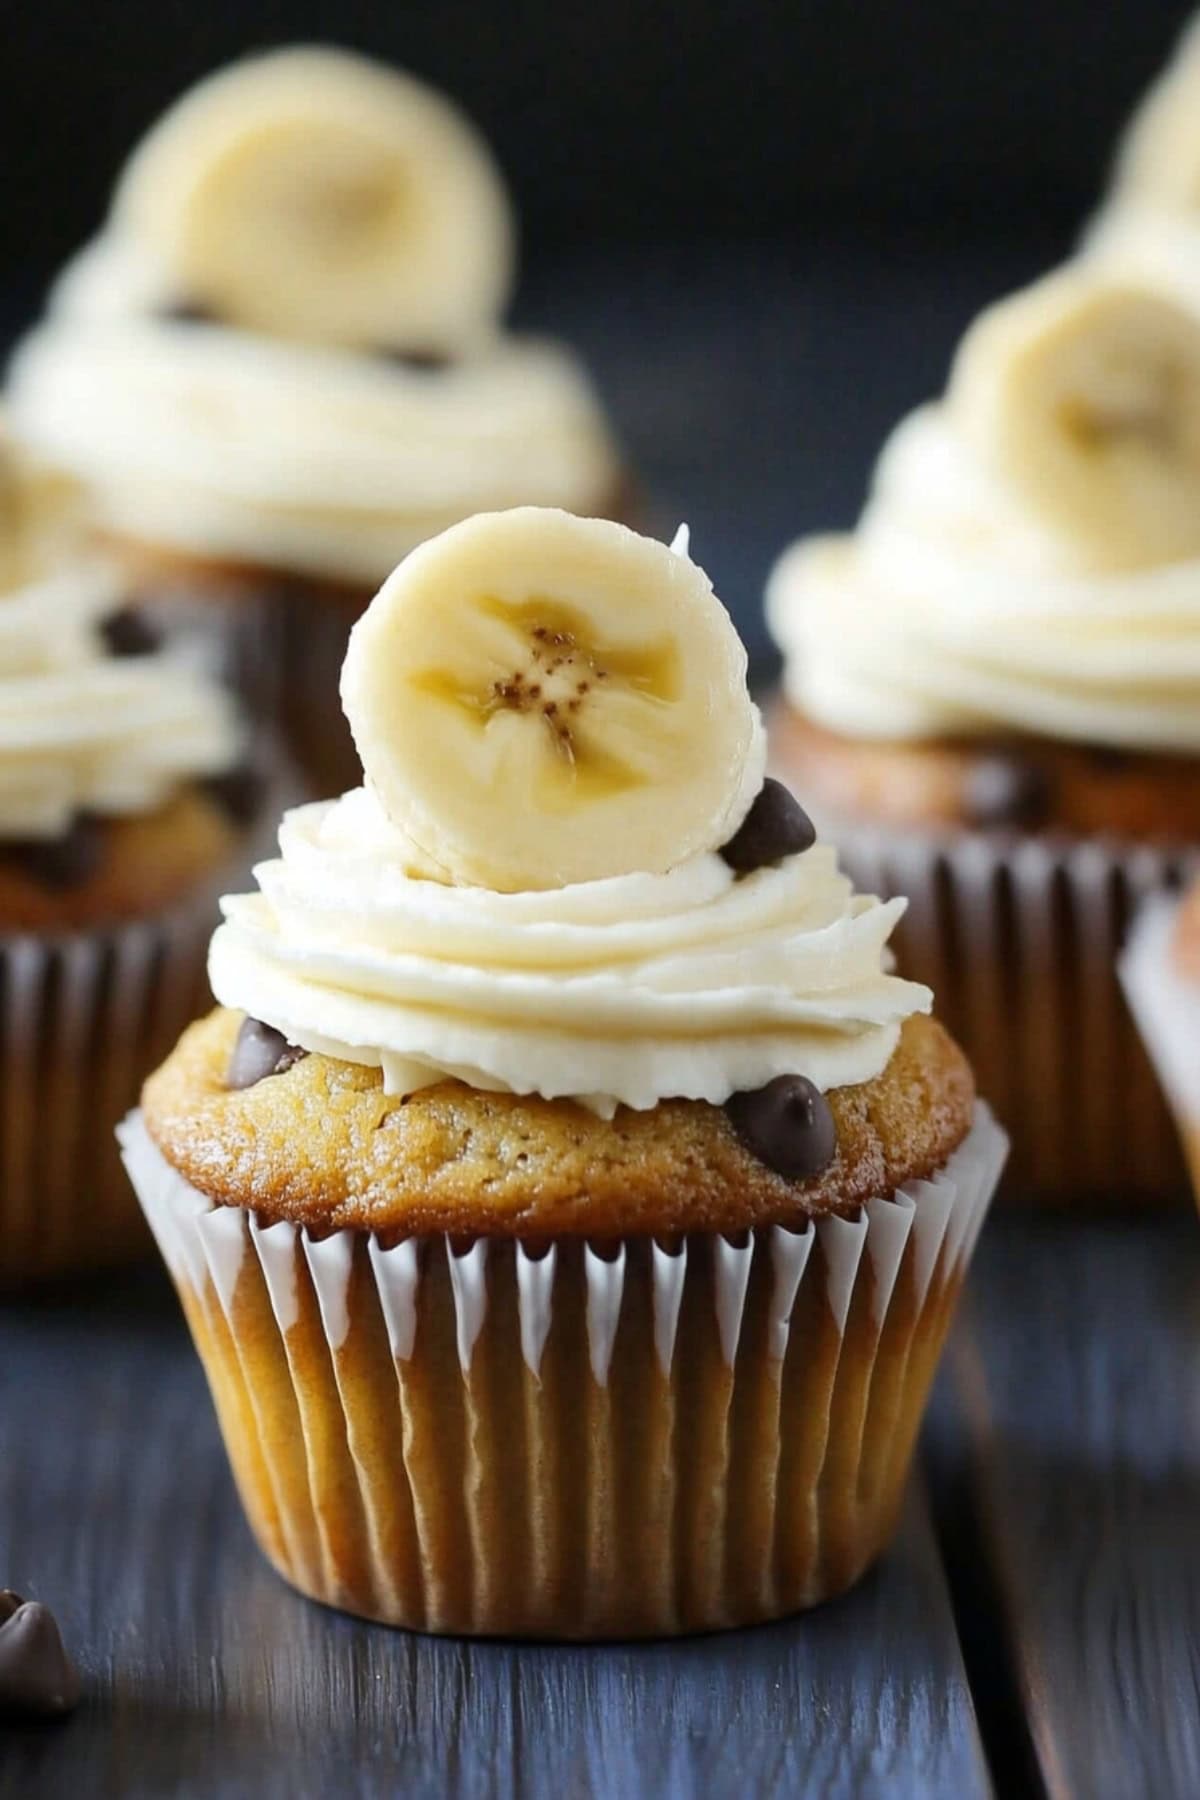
<point>1083,392</point>
<point>315,194</point>
<point>540,700</point>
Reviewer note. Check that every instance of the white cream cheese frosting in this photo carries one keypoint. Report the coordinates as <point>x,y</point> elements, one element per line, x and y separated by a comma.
<point>311,459</point>
<point>953,610</point>
<point>694,984</point>
<point>83,731</point>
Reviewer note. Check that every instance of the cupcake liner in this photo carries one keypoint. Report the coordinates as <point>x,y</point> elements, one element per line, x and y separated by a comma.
<point>1019,938</point>
<point>1166,1007</point>
<point>572,1440</point>
<point>83,1017</point>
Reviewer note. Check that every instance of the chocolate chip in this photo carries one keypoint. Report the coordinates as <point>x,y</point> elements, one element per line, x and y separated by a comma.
<point>260,1051</point>
<point>425,362</point>
<point>62,862</point>
<point>239,791</point>
<point>776,826</point>
<point>1007,791</point>
<point>128,632</point>
<point>37,1677</point>
<point>188,312</point>
<point>788,1125</point>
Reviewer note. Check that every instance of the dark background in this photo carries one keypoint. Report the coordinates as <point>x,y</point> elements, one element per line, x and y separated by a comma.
<point>764,225</point>
<point>631,120</point>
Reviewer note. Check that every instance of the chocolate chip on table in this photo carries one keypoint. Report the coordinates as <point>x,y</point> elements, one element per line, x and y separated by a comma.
<point>427,361</point>
<point>128,632</point>
<point>37,1678</point>
<point>62,862</point>
<point>776,826</point>
<point>239,791</point>
<point>788,1125</point>
<point>260,1051</point>
<point>1007,791</point>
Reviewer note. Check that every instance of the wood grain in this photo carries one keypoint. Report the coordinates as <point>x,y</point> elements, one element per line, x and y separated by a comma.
<point>205,1675</point>
<point>1077,1364</point>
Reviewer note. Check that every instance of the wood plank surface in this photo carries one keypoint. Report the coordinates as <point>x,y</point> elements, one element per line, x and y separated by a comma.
<point>1077,1368</point>
<point>205,1675</point>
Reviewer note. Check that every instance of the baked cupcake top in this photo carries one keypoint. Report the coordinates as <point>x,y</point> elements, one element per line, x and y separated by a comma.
<point>564,875</point>
<point>91,720</point>
<point>566,961</point>
<point>285,348</point>
<point>1029,558</point>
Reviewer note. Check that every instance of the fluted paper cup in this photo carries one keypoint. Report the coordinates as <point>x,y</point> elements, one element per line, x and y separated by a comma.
<point>581,1441</point>
<point>83,1017</point>
<point>1166,1007</point>
<point>1019,939</point>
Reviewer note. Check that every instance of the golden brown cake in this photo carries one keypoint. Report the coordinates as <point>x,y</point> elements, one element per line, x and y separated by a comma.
<point>990,702</point>
<point>567,1202</point>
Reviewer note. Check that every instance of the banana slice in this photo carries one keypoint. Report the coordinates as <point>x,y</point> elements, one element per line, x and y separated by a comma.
<point>312,193</point>
<point>540,700</point>
<point>1158,159</point>
<point>1083,393</point>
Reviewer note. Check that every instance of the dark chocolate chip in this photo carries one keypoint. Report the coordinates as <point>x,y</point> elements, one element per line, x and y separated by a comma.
<point>37,1677</point>
<point>776,826</point>
<point>128,632</point>
<point>1007,791</point>
<point>239,791</point>
<point>62,862</point>
<point>788,1125</point>
<point>260,1051</point>
<point>425,362</point>
<point>188,312</point>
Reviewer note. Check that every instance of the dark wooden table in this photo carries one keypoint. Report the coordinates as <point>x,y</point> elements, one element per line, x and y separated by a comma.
<point>1036,1627</point>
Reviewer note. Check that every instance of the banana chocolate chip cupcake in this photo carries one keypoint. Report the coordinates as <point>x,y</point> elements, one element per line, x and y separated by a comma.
<point>282,364</point>
<point>1160,969</point>
<point>122,812</point>
<point>567,1203</point>
<point>992,697</point>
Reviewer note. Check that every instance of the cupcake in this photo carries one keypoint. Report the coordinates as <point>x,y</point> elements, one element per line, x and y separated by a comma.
<point>1160,970</point>
<point>122,813</point>
<point>281,365</point>
<point>991,694</point>
<point>567,1202</point>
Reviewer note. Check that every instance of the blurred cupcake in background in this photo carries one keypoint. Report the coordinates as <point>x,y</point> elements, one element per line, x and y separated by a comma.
<point>1160,970</point>
<point>992,698</point>
<point>125,804</point>
<point>282,365</point>
<point>567,1201</point>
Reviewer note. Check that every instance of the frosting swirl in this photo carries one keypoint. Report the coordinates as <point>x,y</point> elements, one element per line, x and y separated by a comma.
<point>82,731</point>
<point>958,613</point>
<point>319,460</point>
<point>694,984</point>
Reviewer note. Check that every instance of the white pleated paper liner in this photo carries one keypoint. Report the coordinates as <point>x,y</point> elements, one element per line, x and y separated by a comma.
<point>592,1440</point>
<point>84,1016</point>
<point>1019,939</point>
<point>1166,1005</point>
